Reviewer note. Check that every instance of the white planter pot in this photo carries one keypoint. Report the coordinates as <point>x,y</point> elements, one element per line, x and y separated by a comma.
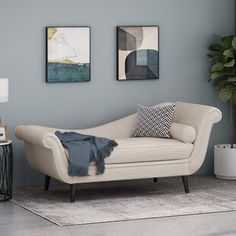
<point>225,161</point>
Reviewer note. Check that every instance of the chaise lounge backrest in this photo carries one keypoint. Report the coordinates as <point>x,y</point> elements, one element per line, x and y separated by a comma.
<point>200,117</point>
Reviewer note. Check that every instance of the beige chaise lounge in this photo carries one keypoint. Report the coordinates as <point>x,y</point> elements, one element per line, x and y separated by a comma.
<point>133,158</point>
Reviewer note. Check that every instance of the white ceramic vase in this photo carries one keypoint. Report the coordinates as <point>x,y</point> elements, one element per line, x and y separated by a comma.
<point>225,161</point>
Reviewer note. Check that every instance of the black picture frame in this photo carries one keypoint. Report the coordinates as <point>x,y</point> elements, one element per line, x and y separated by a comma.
<point>82,67</point>
<point>138,72</point>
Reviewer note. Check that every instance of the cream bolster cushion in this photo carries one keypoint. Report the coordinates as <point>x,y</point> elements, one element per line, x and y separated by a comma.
<point>183,133</point>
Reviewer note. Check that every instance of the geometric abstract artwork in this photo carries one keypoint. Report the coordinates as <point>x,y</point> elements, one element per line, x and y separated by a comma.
<point>137,52</point>
<point>68,54</point>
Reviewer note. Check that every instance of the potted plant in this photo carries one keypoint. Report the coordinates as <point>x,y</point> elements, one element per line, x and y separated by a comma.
<point>223,75</point>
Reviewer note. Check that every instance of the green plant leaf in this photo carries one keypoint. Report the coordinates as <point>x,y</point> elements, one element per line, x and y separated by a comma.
<point>227,41</point>
<point>228,53</point>
<point>221,84</point>
<point>230,64</point>
<point>217,67</point>
<point>226,93</point>
<point>233,97</point>
<point>217,59</point>
<point>215,47</point>
<point>234,42</point>
<point>212,55</point>
<point>216,75</point>
<point>232,79</point>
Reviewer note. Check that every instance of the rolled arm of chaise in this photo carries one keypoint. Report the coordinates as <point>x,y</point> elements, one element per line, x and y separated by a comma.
<point>34,134</point>
<point>46,154</point>
<point>44,151</point>
<point>202,118</point>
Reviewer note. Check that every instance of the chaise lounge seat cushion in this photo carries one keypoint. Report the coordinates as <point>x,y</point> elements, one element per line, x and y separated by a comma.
<point>148,149</point>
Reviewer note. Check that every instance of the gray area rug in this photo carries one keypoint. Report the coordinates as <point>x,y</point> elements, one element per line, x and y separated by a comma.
<point>129,200</point>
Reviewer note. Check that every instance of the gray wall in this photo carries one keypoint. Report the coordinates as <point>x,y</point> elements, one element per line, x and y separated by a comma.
<point>186,27</point>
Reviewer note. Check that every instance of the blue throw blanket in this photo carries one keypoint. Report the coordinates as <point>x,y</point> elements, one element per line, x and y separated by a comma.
<point>84,149</point>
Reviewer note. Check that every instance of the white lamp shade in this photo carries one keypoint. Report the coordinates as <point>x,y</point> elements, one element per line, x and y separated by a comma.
<point>3,90</point>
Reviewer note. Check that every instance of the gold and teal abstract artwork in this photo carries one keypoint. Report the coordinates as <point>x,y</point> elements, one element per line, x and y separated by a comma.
<point>68,54</point>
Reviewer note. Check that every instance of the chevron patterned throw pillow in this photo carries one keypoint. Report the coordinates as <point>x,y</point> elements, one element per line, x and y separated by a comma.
<point>154,121</point>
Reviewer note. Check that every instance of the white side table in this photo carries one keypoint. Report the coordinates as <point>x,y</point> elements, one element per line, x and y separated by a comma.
<point>6,170</point>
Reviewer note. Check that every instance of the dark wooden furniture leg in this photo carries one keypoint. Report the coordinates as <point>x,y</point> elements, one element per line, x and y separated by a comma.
<point>185,182</point>
<point>72,192</point>
<point>47,182</point>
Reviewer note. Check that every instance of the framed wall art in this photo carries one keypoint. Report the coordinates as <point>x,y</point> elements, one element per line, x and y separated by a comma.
<point>137,52</point>
<point>68,54</point>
